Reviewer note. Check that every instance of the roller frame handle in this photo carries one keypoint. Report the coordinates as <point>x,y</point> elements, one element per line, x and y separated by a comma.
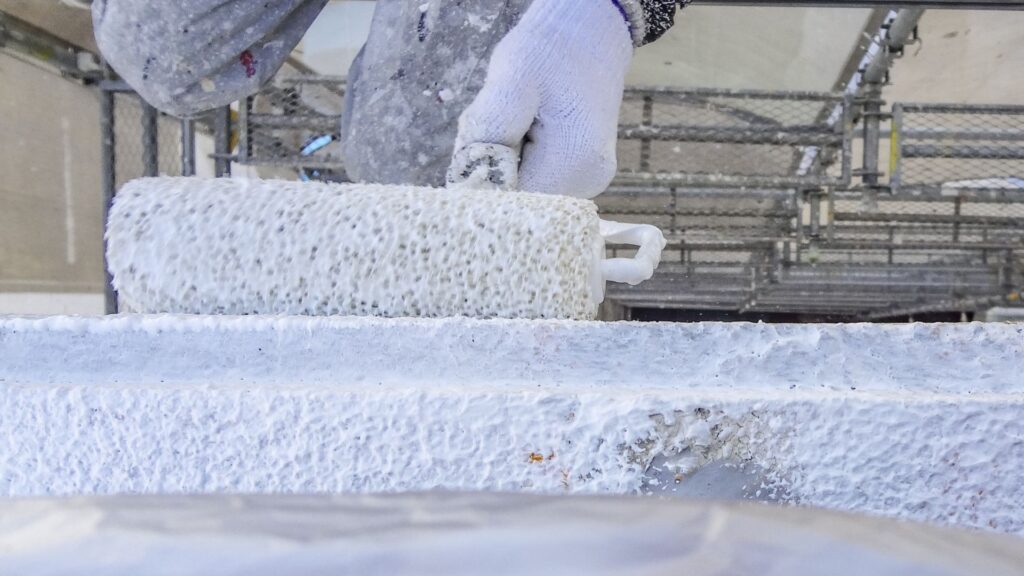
<point>650,242</point>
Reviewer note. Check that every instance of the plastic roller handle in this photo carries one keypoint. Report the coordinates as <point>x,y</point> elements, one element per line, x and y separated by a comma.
<point>650,242</point>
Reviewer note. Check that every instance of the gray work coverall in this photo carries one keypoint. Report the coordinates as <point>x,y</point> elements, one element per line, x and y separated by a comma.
<point>423,64</point>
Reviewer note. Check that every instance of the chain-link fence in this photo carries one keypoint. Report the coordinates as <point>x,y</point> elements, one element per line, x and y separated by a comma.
<point>666,137</point>
<point>947,235</point>
<point>294,124</point>
<point>708,214</point>
<point>949,221</point>
<point>146,143</point>
<point>954,149</point>
<point>138,141</point>
<point>703,137</point>
<point>755,192</point>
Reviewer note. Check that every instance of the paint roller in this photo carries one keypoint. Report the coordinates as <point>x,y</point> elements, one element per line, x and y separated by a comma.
<point>225,246</point>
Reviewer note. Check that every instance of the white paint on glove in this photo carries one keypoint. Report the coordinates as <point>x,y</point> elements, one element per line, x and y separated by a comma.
<point>554,88</point>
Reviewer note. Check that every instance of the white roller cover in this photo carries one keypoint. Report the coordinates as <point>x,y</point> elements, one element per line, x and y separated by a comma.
<point>221,246</point>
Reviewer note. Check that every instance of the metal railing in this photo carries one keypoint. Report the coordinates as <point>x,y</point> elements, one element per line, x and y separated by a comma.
<point>137,141</point>
<point>968,150</point>
<point>944,234</point>
<point>294,123</point>
<point>757,195</point>
<point>667,137</point>
<point>733,138</point>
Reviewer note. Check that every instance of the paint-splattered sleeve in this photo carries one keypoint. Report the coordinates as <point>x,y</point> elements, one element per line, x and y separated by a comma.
<point>649,19</point>
<point>659,16</point>
<point>188,56</point>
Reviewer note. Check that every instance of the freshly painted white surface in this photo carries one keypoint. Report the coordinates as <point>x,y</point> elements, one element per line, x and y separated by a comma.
<point>921,422</point>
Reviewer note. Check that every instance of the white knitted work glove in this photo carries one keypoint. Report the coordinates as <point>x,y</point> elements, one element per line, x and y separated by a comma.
<point>553,91</point>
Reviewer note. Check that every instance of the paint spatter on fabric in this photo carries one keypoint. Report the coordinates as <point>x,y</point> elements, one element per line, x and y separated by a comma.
<point>247,60</point>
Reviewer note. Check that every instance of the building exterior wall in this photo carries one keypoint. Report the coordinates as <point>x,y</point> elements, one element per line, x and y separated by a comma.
<point>971,57</point>
<point>50,200</point>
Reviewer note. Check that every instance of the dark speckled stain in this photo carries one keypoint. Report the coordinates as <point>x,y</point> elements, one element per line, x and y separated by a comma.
<point>146,67</point>
<point>247,60</point>
<point>421,27</point>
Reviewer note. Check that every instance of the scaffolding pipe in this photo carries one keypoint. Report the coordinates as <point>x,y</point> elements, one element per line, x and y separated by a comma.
<point>899,32</point>
<point>872,118</point>
<point>188,148</point>
<point>244,129</point>
<point>814,199</point>
<point>222,142</point>
<point>28,41</point>
<point>150,146</point>
<point>107,183</point>
<point>645,141</point>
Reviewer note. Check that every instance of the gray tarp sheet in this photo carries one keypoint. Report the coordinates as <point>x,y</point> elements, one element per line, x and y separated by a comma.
<point>451,534</point>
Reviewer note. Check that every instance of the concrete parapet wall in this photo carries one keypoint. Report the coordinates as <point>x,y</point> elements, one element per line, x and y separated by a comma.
<point>922,422</point>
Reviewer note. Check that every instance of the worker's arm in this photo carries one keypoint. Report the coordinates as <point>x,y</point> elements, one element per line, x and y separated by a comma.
<point>189,56</point>
<point>553,91</point>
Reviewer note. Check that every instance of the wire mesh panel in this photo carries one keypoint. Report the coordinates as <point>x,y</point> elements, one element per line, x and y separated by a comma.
<point>140,150</point>
<point>723,276</point>
<point>169,152</point>
<point>941,221</point>
<point>925,252</point>
<point>295,122</point>
<point>958,149</point>
<point>128,143</point>
<point>873,256</point>
<point>752,190</point>
<point>733,138</point>
<point>696,136</point>
<point>136,141</point>
<point>950,237</point>
<point>711,214</point>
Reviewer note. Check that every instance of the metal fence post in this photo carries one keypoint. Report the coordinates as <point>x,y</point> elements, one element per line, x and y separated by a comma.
<point>244,136</point>
<point>150,143</point>
<point>830,207</point>
<point>1006,272</point>
<point>222,142</point>
<point>872,117</point>
<point>814,198</point>
<point>846,162</point>
<point>188,148</point>
<point>895,151</point>
<point>108,179</point>
<point>956,214</point>
<point>645,143</point>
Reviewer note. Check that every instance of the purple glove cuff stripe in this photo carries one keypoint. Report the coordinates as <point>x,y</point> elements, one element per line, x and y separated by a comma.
<point>623,12</point>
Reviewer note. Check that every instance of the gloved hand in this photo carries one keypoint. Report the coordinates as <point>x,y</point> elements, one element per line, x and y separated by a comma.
<point>554,88</point>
